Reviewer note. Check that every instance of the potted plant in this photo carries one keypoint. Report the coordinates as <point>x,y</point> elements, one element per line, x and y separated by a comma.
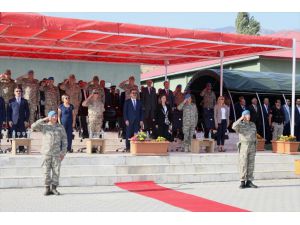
<point>260,145</point>
<point>291,145</point>
<point>278,145</point>
<point>140,144</point>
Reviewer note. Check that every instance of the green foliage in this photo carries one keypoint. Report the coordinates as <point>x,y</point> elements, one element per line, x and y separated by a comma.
<point>245,24</point>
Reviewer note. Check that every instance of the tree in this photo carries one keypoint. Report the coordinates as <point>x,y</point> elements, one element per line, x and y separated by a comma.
<point>244,24</point>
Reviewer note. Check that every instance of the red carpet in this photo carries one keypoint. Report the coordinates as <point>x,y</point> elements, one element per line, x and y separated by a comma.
<point>176,198</point>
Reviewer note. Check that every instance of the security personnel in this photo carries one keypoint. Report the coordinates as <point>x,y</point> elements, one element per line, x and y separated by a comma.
<point>247,148</point>
<point>190,120</point>
<point>54,148</point>
<point>52,98</point>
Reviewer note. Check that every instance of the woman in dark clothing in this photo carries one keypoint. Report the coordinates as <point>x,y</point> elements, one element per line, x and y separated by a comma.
<point>163,118</point>
<point>67,117</point>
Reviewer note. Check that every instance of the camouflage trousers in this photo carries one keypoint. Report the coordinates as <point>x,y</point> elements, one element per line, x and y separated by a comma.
<point>49,108</point>
<point>32,113</point>
<point>52,170</point>
<point>95,124</point>
<point>188,132</point>
<point>247,151</point>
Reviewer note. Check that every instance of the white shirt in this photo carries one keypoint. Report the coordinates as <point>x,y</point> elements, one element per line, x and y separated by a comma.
<point>165,108</point>
<point>18,99</point>
<point>287,109</point>
<point>223,113</point>
<point>266,107</point>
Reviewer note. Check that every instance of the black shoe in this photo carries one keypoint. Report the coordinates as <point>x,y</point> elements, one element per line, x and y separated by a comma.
<point>249,184</point>
<point>48,191</point>
<point>243,185</point>
<point>54,190</point>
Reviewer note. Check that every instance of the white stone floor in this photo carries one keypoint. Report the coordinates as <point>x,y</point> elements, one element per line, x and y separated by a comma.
<point>271,196</point>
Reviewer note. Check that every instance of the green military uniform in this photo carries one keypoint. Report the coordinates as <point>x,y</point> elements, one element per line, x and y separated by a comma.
<point>31,92</point>
<point>246,148</point>
<point>127,88</point>
<point>54,146</point>
<point>7,87</point>
<point>190,120</point>
<point>52,99</point>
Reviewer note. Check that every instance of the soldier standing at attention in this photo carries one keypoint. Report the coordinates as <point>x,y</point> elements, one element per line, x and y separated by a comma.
<point>7,86</point>
<point>30,87</point>
<point>190,120</point>
<point>128,86</point>
<point>54,148</point>
<point>73,90</point>
<point>51,95</point>
<point>247,148</point>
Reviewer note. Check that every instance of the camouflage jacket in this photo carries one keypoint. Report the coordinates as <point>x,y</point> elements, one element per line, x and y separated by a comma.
<point>54,138</point>
<point>190,114</point>
<point>246,130</point>
<point>7,87</point>
<point>127,88</point>
<point>30,90</point>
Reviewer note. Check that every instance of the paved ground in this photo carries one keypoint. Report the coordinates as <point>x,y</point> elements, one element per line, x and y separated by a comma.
<point>280,195</point>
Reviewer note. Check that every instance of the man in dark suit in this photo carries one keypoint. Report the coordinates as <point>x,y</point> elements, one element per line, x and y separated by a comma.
<point>114,107</point>
<point>133,116</point>
<point>297,120</point>
<point>18,114</point>
<point>170,96</point>
<point>255,115</point>
<point>149,102</point>
<point>107,101</point>
<point>266,112</point>
<point>240,107</point>
<point>2,114</point>
<point>287,117</point>
<point>82,110</point>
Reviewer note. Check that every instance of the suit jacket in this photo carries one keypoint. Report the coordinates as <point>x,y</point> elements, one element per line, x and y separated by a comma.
<point>297,117</point>
<point>82,110</point>
<point>239,110</point>
<point>255,116</point>
<point>2,111</point>
<point>160,116</point>
<point>133,114</point>
<point>107,97</point>
<point>266,114</point>
<point>286,114</point>
<point>170,97</point>
<point>149,101</point>
<point>18,111</point>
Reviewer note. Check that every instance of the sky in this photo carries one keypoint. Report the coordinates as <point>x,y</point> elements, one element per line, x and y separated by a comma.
<point>273,21</point>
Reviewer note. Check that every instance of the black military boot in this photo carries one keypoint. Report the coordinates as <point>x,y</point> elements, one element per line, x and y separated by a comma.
<point>249,184</point>
<point>54,190</point>
<point>243,185</point>
<point>48,191</point>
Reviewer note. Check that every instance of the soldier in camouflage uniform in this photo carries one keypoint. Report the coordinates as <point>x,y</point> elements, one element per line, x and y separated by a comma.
<point>73,90</point>
<point>52,98</point>
<point>190,120</point>
<point>95,111</point>
<point>7,86</point>
<point>95,85</point>
<point>31,93</point>
<point>247,148</point>
<point>127,87</point>
<point>54,149</point>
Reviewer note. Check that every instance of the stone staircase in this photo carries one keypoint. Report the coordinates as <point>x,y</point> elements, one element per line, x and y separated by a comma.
<point>80,169</point>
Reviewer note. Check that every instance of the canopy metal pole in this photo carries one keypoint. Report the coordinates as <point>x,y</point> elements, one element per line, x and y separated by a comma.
<point>232,103</point>
<point>262,115</point>
<point>166,69</point>
<point>293,88</point>
<point>221,72</point>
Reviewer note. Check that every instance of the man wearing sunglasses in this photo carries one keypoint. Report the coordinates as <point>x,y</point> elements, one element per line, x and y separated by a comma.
<point>133,116</point>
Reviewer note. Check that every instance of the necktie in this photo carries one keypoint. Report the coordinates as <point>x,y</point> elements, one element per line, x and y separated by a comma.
<point>134,105</point>
<point>167,91</point>
<point>149,90</point>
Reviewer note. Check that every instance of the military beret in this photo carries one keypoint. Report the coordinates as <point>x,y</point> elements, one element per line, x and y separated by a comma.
<point>246,112</point>
<point>187,96</point>
<point>51,78</point>
<point>51,113</point>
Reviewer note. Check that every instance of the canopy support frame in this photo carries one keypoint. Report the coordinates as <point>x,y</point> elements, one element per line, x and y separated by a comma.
<point>293,88</point>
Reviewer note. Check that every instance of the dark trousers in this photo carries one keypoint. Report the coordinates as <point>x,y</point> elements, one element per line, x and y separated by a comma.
<point>130,131</point>
<point>148,120</point>
<point>163,131</point>
<point>297,132</point>
<point>287,129</point>
<point>69,130</point>
<point>268,134</point>
<point>83,126</point>
<point>208,118</point>
<point>221,132</point>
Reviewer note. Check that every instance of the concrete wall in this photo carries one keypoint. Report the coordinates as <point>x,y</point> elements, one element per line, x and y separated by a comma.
<point>111,73</point>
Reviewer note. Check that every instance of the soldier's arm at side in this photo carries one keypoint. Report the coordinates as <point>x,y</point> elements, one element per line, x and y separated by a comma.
<point>38,125</point>
<point>236,124</point>
<point>64,142</point>
<point>196,115</point>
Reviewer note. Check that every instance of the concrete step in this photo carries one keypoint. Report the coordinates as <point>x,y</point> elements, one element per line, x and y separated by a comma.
<point>95,170</point>
<point>34,181</point>
<point>127,159</point>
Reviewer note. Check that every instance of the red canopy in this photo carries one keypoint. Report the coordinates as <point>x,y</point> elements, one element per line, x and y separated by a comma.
<point>32,35</point>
